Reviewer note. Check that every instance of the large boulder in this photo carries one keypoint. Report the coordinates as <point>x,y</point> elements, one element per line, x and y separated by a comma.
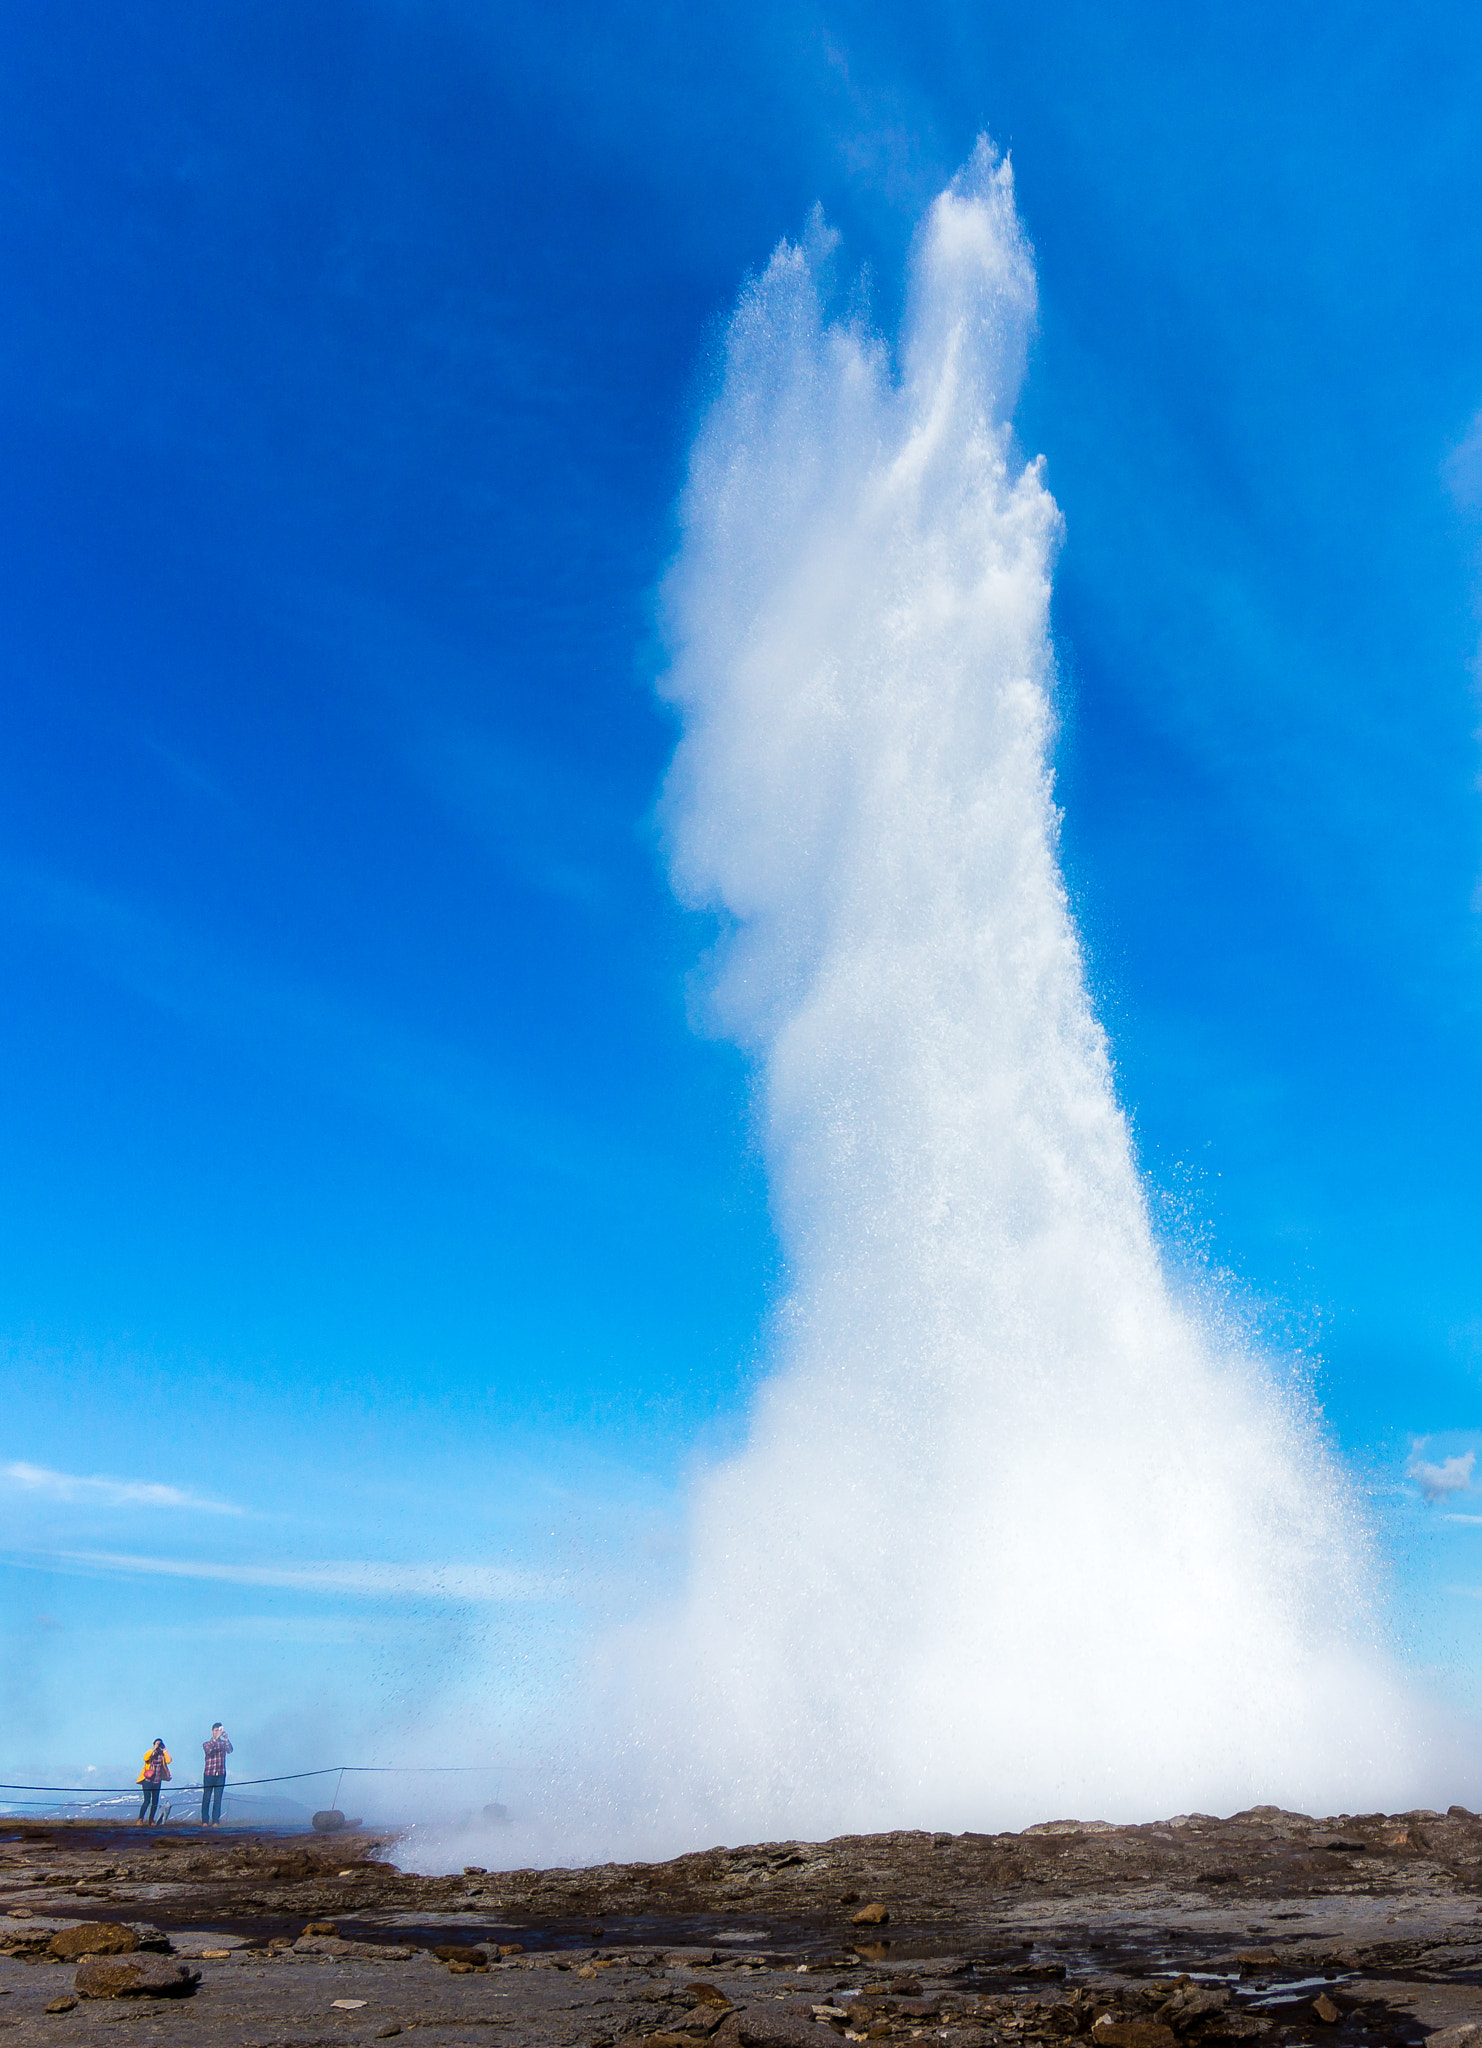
<point>136,1976</point>
<point>92,1938</point>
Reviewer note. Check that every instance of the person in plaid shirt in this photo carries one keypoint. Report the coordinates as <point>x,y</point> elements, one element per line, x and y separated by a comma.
<point>218,1747</point>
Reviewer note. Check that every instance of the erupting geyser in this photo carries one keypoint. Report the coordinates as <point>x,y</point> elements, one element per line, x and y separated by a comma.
<point>1016,1532</point>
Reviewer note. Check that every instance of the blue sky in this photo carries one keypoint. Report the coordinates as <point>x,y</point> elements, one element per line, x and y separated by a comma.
<point>360,1172</point>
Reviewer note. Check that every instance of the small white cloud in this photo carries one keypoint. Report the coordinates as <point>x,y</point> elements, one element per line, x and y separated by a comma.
<point>1462,469</point>
<point>107,1493</point>
<point>472,1583</point>
<point>1453,1475</point>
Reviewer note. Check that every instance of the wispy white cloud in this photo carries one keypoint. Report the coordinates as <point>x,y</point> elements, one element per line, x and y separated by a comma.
<point>1453,1475</point>
<point>1462,469</point>
<point>466,1583</point>
<point>42,1483</point>
<point>1473,1521</point>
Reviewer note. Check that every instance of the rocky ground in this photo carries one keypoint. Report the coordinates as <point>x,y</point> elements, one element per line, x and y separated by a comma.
<point>1266,1928</point>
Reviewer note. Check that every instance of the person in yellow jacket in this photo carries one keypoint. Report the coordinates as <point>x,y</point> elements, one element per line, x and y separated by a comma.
<point>155,1773</point>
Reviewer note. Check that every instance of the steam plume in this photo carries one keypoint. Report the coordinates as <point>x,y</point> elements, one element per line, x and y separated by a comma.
<point>1014,1534</point>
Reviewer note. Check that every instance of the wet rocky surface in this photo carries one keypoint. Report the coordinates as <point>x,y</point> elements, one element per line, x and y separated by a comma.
<point>1263,1928</point>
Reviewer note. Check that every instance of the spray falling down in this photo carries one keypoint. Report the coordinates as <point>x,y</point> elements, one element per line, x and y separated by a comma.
<point>1015,1534</point>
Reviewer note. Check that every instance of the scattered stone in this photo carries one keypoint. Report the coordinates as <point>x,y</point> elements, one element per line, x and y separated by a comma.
<point>134,1976</point>
<point>1256,1958</point>
<point>385,2033</point>
<point>93,1938</point>
<point>1324,2009</point>
<point>757,2028</point>
<point>62,2004</point>
<point>1110,2033</point>
<point>463,1961</point>
<point>321,1927</point>
<point>707,1994</point>
<point>355,1951</point>
<point>348,2004</point>
<point>20,1913</point>
<point>511,1948</point>
<point>874,1915</point>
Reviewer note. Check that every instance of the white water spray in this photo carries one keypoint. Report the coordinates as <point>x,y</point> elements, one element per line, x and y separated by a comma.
<point>1014,1534</point>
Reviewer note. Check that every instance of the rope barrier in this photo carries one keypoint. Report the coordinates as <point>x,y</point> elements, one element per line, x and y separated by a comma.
<point>287,1777</point>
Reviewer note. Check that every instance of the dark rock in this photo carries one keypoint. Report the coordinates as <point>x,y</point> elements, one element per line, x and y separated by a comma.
<point>63,2004</point>
<point>1110,2033</point>
<point>758,2028</point>
<point>93,1938</point>
<point>134,1976</point>
<point>1188,2006</point>
<point>356,1951</point>
<point>458,1958</point>
<point>1466,2034</point>
<point>31,1948</point>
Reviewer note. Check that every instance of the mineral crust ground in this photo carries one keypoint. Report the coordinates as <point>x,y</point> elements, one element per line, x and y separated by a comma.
<point>1264,1928</point>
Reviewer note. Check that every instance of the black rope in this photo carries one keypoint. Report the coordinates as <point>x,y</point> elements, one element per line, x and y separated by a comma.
<point>287,1778</point>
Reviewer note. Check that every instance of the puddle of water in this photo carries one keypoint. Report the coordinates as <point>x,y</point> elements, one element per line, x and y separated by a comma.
<point>1294,1990</point>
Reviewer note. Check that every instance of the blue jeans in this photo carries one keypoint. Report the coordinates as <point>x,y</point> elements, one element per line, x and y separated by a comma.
<point>151,1799</point>
<point>211,1791</point>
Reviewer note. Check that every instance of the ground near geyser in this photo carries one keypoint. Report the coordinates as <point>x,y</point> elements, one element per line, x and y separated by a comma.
<point>1267,1928</point>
